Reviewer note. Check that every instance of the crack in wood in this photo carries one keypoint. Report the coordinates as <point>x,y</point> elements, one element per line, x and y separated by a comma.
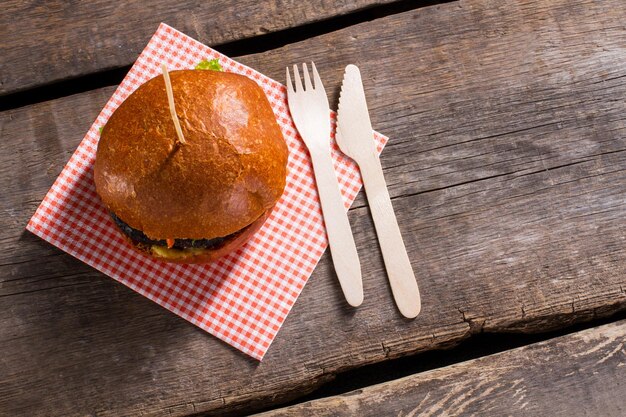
<point>476,324</point>
<point>11,263</point>
<point>74,73</point>
<point>547,169</point>
<point>537,379</point>
<point>386,350</point>
<point>52,288</point>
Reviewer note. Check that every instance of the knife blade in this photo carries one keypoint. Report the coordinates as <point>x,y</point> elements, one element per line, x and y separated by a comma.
<point>355,138</point>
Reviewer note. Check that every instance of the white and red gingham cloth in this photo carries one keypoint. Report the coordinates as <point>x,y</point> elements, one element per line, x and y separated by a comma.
<point>242,298</point>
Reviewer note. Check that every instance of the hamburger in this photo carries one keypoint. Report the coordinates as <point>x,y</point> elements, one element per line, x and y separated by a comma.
<point>195,199</point>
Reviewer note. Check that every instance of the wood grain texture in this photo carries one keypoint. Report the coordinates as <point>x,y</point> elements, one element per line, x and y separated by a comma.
<point>581,374</point>
<point>44,42</point>
<point>506,167</point>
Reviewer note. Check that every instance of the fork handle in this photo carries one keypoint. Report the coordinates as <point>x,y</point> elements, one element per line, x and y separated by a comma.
<point>399,270</point>
<point>340,238</point>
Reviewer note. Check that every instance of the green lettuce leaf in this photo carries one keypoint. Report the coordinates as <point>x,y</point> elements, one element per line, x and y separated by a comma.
<point>213,65</point>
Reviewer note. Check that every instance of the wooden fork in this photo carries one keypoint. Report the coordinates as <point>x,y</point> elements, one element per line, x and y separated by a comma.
<point>311,114</point>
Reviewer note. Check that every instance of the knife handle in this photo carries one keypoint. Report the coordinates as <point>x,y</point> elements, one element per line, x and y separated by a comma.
<point>340,239</point>
<point>399,270</point>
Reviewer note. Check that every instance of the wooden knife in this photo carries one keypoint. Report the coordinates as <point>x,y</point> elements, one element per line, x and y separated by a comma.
<point>355,138</point>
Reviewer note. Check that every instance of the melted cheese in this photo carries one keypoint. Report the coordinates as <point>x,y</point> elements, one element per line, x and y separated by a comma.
<point>164,252</point>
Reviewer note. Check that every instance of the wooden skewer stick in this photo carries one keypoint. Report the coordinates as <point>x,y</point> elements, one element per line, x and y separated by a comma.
<point>170,100</point>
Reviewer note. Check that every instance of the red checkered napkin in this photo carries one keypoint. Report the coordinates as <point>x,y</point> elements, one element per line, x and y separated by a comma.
<point>243,298</point>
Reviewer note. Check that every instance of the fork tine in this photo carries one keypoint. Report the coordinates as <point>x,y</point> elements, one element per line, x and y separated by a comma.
<point>296,75</point>
<point>307,78</point>
<point>289,84</point>
<point>316,77</point>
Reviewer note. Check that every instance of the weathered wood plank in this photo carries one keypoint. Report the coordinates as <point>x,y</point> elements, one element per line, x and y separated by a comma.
<point>55,40</point>
<point>581,374</point>
<point>507,170</point>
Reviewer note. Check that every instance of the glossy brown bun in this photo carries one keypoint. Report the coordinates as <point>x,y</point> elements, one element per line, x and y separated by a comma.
<point>228,174</point>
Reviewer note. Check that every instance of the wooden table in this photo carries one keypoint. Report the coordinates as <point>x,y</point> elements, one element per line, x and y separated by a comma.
<point>507,169</point>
